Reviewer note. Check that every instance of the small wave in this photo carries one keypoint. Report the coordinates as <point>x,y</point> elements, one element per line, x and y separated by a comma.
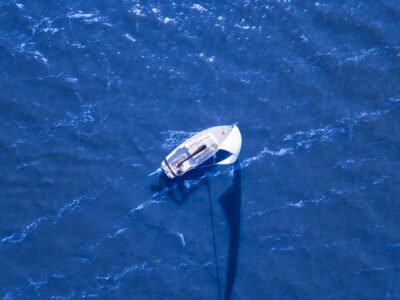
<point>144,205</point>
<point>330,195</point>
<point>394,99</point>
<point>280,152</point>
<point>287,205</point>
<point>40,56</point>
<point>167,20</point>
<point>18,237</point>
<point>284,249</point>
<point>122,225</point>
<point>245,27</point>
<point>112,282</point>
<point>349,162</point>
<point>137,10</point>
<point>305,139</point>
<point>180,236</point>
<point>304,203</point>
<point>80,15</point>
<point>207,59</point>
<point>36,284</point>
<point>88,18</point>
<point>364,53</point>
<point>129,37</point>
<point>70,207</point>
<point>198,7</point>
<point>296,204</point>
<point>297,233</point>
<point>76,120</point>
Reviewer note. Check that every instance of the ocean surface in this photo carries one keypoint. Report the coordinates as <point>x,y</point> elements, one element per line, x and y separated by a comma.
<point>94,94</point>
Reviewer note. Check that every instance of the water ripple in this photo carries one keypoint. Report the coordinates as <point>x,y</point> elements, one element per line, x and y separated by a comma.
<point>69,208</point>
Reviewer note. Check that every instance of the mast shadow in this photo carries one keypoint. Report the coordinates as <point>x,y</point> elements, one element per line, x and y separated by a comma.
<point>231,202</point>
<point>179,189</point>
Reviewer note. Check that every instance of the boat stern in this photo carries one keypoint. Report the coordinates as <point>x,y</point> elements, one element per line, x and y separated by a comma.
<point>167,169</point>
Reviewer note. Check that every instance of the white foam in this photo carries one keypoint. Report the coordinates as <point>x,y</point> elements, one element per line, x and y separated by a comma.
<point>51,30</point>
<point>207,59</point>
<point>144,205</point>
<point>70,207</point>
<point>162,192</point>
<point>211,59</point>
<point>129,37</point>
<point>304,38</point>
<point>394,99</point>
<point>198,7</point>
<point>167,20</point>
<point>380,179</point>
<point>280,152</point>
<point>181,237</point>
<point>38,283</point>
<point>71,79</point>
<point>122,225</point>
<point>78,45</point>
<point>305,139</point>
<point>120,231</point>
<point>245,27</point>
<point>18,237</point>
<point>137,10</point>
<point>88,18</point>
<point>126,270</point>
<point>364,54</point>
<point>297,204</point>
<point>80,15</point>
<point>303,203</point>
<point>40,56</point>
<point>284,249</point>
<point>76,120</point>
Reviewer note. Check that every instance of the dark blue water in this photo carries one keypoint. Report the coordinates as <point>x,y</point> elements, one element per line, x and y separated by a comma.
<point>93,95</point>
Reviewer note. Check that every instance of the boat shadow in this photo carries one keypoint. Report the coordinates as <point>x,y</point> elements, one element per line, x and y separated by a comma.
<point>180,189</point>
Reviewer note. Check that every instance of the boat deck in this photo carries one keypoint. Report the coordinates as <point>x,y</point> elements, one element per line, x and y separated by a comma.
<point>194,151</point>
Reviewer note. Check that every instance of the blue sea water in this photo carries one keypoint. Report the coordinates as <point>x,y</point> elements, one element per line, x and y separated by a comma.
<point>93,95</point>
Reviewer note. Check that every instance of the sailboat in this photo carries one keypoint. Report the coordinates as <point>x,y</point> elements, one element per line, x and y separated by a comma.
<point>220,143</point>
